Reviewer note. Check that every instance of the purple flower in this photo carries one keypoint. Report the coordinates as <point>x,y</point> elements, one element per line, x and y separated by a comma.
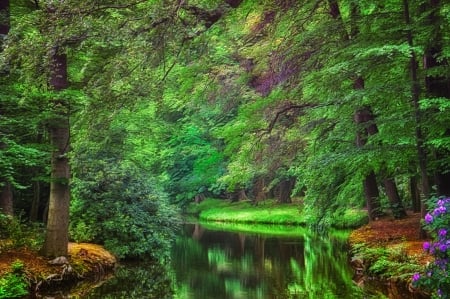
<point>428,218</point>
<point>439,210</point>
<point>443,247</point>
<point>426,246</point>
<point>440,202</point>
<point>442,232</point>
<point>415,277</point>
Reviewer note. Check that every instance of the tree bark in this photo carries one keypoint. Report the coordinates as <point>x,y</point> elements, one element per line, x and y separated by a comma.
<point>57,236</point>
<point>370,185</point>
<point>6,199</point>
<point>4,11</point>
<point>6,195</point>
<point>437,86</point>
<point>415,194</point>
<point>415,96</point>
<point>285,189</point>
<point>390,187</point>
<point>34,210</point>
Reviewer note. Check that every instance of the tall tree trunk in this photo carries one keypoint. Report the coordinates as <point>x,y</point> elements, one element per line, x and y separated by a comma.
<point>6,195</point>
<point>415,194</point>
<point>370,185</point>
<point>415,95</point>
<point>57,236</point>
<point>437,86</point>
<point>6,199</point>
<point>4,17</point>
<point>397,207</point>
<point>390,186</point>
<point>34,210</point>
<point>259,190</point>
<point>372,196</point>
<point>285,190</point>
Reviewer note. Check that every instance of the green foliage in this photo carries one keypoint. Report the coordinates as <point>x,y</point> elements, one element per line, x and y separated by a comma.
<point>386,262</point>
<point>14,284</point>
<point>15,233</point>
<point>122,209</point>
<point>115,202</point>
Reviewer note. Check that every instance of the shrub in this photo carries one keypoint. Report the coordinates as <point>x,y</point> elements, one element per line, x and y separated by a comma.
<point>120,207</point>
<point>14,284</point>
<point>435,277</point>
<point>20,234</point>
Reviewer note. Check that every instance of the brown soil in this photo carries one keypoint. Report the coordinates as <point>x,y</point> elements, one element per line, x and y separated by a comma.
<point>388,231</point>
<point>86,259</point>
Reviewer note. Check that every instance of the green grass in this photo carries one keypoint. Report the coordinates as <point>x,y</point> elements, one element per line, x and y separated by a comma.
<point>267,212</point>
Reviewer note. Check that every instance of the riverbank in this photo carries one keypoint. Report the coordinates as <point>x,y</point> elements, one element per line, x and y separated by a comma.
<point>385,253</point>
<point>268,212</point>
<point>23,270</point>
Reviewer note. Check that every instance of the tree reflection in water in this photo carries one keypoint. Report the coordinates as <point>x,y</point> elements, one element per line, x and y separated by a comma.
<point>219,264</point>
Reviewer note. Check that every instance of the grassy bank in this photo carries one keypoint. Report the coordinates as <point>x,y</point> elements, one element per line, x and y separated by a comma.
<point>267,212</point>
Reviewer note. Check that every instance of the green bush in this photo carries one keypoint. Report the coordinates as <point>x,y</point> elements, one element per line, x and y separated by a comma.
<point>20,234</point>
<point>119,206</point>
<point>14,284</point>
<point>386,262</point>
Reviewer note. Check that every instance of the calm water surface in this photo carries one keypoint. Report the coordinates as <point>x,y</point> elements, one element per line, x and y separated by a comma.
<point>220,264</point>
<point>224,264</point>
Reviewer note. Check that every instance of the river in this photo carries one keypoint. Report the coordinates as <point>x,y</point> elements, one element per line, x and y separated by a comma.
<point>246,261</point>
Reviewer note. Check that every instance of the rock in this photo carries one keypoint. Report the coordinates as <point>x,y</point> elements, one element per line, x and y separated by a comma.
<point>60,260</point>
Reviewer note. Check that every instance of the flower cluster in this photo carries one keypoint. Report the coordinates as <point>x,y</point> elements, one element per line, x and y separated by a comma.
<point>436,275</point>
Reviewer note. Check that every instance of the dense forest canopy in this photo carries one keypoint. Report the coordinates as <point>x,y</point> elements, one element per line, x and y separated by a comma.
<point>127,107</point>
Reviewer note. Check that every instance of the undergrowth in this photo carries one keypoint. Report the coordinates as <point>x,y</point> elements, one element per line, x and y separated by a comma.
<point>14,283</point>
<point>386,262</point>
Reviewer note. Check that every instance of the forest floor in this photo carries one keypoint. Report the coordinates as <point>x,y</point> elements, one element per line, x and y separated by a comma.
<point>388,232</point>
<point>85,260</point>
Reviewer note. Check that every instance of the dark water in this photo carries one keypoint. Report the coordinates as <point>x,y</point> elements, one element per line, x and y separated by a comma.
<point>227,265</point>
<point>219,264</point>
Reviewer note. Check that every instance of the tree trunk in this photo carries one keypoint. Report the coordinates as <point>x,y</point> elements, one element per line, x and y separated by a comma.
<point>34,211</point>
<point>6,195</point>
<point>372,196</point>
<point>394,198</point>
<point>415,195</point>
<point>370,185</point>
<point>285,190</point>
<point>259,190</point>
<point>437,86</point>
<point>415,95</point>
<point>4,20</point>
<point>57,236</point>
<point>6,200</point>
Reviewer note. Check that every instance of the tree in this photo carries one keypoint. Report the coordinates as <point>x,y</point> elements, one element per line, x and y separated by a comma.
<point>57,234</point>
<point>6,197</point>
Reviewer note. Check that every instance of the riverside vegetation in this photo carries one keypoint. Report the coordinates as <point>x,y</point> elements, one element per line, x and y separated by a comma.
<point>115,114</point>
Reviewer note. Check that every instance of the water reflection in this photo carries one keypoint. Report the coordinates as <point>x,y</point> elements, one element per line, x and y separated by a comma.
<point>135,281</point>
<point>220,264</point>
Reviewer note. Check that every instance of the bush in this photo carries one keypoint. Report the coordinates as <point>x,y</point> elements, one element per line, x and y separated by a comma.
<point>14,284</point>
<point>435,277</point>
<point>19,234</point>
<point>121,208</point>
